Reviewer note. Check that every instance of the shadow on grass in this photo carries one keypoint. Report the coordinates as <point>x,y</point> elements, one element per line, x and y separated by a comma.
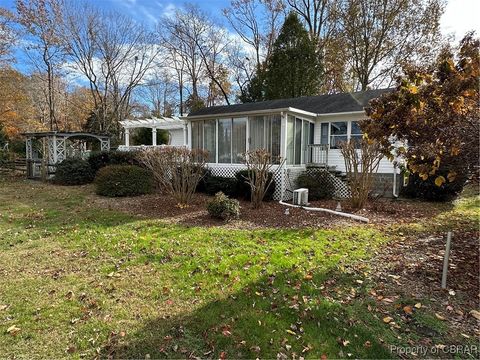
<point>279,314</point>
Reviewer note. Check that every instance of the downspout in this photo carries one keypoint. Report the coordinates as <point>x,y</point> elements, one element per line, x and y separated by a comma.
<point>394,190</point>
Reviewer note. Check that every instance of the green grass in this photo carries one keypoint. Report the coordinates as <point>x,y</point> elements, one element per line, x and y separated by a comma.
<point>84,281</point>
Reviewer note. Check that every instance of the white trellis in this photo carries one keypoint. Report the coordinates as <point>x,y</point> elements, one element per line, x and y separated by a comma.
<point>56,148</point>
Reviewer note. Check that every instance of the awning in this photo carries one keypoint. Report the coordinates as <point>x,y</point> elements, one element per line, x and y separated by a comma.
<point>165,123</point>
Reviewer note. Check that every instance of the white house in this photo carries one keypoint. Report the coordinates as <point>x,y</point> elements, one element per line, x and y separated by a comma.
<point>304,131</point>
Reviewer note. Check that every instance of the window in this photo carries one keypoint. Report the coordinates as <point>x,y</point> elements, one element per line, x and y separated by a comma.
<point>209,139</point>
<point>324,133</point>
<point>197,134</point>
<point>225,140</point>
<point>298,141</point>
<point>264,132</point>
<point>356,133</point>
<point>239,140</point>
<point>338,133</point>
<point>290,140</point>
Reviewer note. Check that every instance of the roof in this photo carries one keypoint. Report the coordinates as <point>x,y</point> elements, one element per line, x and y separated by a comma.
<point>154,122</point>
<point>320,104</point>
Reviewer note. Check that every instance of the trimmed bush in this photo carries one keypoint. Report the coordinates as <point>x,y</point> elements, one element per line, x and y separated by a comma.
<point>123,180</point>
<point>73,171</point>
<point>222,207</point>
<point>98,160</point>
<point>426,189</point>
<point>244,189</point>
<point>318,182</point>
<point>226,185</point>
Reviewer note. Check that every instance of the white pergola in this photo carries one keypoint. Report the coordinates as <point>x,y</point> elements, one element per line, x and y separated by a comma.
<point>154,123</point>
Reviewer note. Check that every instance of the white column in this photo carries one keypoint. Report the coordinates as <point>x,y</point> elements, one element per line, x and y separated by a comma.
<point>127,137</point>
<point>154,136</point>
<point>185,135</point>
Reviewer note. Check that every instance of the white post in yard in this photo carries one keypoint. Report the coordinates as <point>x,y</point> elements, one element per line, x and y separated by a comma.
<point>127,137</point>
<point>154,136</point>
<point>445,260</point>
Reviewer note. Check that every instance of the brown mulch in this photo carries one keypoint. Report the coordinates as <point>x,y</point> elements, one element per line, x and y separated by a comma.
<point>272,214</point>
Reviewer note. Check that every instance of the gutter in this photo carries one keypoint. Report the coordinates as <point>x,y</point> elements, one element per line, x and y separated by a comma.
<point>394,189</point>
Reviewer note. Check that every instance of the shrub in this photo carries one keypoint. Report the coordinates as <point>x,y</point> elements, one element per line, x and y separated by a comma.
<point>244,189</point>
<point>226,185</point>
<point>428,190</point>
<point>318,182</point>
<point>98,160</point>
<point>222,207</point>
<point>73,171</point>
<point>123,180</point>
<point>177,170</point>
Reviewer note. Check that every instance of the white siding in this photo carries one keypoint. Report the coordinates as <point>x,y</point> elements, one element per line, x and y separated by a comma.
<point>176,137</point>
<point>335,158</point>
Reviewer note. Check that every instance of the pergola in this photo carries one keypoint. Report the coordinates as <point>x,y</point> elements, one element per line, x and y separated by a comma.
<point>154,123</point>
<point>56,145</point>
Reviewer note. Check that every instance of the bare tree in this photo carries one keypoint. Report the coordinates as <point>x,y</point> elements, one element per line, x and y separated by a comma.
<point>158,91</point>
<point>257,23</point>
<point>7,34</point>
<point>381,35</point>
<point>40,19</point>
<point>114,53</point>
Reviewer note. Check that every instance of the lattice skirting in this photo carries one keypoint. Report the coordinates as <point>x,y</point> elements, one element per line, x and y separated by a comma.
<point>285,179</point>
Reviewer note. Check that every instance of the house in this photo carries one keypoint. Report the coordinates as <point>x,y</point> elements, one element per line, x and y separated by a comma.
<point>304,131</point>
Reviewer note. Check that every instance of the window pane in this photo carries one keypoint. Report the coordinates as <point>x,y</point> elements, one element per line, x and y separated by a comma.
<point>276,130</point>
<point>256,132</point>
<point>224,140</point>
<point>339,128</point>
<point>335,141</point>
<point>306,140</point>
<point>324,134</point>
<point>290,139</point>
<point>356,128</point>
<point>209,139</point>
<point>311,139</point>
<point>239,139</point>
<point>197,134</point>
<point>298,141</point>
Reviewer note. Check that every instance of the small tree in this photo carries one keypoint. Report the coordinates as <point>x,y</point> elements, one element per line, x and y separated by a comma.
<point>176,170</point>
<point>259,165</point>
<point>361,164</point>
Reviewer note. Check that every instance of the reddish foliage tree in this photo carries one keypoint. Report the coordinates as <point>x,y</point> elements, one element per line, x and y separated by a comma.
<point>434,111</point>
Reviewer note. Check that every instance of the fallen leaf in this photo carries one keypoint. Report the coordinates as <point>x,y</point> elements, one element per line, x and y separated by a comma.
<point>439,317</point>
<point>387,319</point>
<point>475,314</point>
<point>13,330</point>
<point>3,307</point>
<point>408,310</point>
<point>308,276</point>
<point>451,292</point>
<point>291,332</point>
<point>418,305</point>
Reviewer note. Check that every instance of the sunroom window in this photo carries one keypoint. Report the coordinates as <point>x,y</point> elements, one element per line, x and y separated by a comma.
<point>298,138</point>
<point>265,134</point>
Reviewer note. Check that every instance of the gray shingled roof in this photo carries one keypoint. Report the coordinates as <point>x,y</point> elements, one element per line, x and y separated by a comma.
<point>321,104</point>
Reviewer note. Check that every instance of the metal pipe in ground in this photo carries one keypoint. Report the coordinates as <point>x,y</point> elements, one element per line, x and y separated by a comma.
<point>445,260</point>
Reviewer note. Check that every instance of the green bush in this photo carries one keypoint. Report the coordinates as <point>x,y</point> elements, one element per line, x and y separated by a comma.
<point>222,207</point>
<point>426,189</point>
<point>123,180</point>
<point>215,184</point>
<point>101,159</point>
<point>318,182</point>
<point>244,189</point>
<point>73,171</point>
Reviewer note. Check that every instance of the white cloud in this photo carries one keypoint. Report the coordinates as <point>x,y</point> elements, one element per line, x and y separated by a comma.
<point>460,17</point>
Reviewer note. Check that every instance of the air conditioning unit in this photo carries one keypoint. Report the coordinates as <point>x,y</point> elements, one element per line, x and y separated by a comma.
<point>300,197</point>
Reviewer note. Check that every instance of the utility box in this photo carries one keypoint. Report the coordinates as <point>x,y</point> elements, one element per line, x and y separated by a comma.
<point>300,197</point>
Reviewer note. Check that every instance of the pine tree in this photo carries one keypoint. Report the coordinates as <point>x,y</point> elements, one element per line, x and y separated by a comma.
<point>293,69</point>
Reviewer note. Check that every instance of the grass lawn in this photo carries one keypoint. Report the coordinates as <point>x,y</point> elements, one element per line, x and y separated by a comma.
<point>77,280</point>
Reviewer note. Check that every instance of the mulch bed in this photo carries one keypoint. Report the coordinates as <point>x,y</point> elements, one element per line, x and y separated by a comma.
<point>272,214</point>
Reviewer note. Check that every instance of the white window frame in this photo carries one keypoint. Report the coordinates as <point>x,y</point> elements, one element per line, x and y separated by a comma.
<point>349,130</point>
<point>302,153</point>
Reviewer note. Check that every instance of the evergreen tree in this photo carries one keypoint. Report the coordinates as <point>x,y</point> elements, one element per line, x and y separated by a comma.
<point>293,69</point>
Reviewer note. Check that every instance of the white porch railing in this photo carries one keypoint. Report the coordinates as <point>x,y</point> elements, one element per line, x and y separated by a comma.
<point>317,154</point>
